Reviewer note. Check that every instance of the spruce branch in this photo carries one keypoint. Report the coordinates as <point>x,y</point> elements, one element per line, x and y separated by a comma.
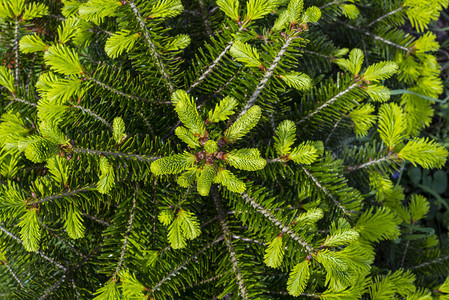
<point>100,221</point>
<point>23,101</point>
<point>404,254</point>
<point>376,37</point>
<point>77,294</point>
<point>123,94</point>
<point>385,16</point>
<point>213,278</point>
<point>318,54</point>
<point>189,259</point>
<point>330,4</point>
<point>16,49</point>
<point>327,103</point>
<point>332,130</point>
<point>205,15</point>
<point>266,77</point>
<point>228,239</point>
<point>51,289</point>
<point>157,58</point>
<point>214,63</point>
<point>66,194</point>
<point>4,262</point>
<point>325,190</point>
<point>51,260</point>
<point>130,156</point>
<point>260,209</point>
<point>274,160</point>
<point>68,245</point>
<point>93,114</point>
<point>68,271</point>
<point>368,164</point>
<point>428,263</point>
<point>236,237</point>
<point>155,202</point>
<point>145,120</point>
<point>128,231</point>
<point>302,294</point>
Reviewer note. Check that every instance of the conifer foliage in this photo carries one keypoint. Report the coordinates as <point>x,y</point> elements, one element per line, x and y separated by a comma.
<point>171,149</point>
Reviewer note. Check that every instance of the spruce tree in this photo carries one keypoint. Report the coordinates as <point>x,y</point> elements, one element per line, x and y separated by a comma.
<point>171,149</point>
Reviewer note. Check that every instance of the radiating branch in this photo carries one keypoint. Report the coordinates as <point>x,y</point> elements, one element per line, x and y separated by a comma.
<point>172,273</point>
<point>266,77</point>
<point>236,237</point>
<point>66,194</point>
<point>93,114</point>
<point>325,190</point>
<point>327,103</point>
<point>228,239</point>
<point>318,54</point>
<point>77,294</point>
<point>152,46</point>
<point>376,37</point>
<point>38,252</point>
<point>24,101</point>
<point>93,152</point>
<point>205,19</point>
<point>214,64</point>
<point>368,164</point>
<point>385,16</point>
<point>72,270</point>
<point>51,289</point>
<point>274,160</point>
<point>262,210</point>
<point>428,263</point>
<point>61,239</point>
<point>12,273</point>
<point>287,294</point>
<point>100,221</point>
<point>16,49</point>
<point>128,232</point>
<point>145,120</point>
<point>332,130</point>
<point>123,94</point>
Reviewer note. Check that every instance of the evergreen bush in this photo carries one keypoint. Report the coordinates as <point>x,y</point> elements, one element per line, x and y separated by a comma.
<point>171,149</point>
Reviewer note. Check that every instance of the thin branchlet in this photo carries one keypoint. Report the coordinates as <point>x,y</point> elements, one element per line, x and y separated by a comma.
<point>51,260</point>
<point>332,131</point>
<point>96,219</point>
<point>385,16</point>
<point>157,58</point>
<point>278,223</point>
<point>16,50</point>
<point>51,289</point>
<point>267,76</point>
<point>5,263</point>
<point>66,194</point>
<point>369,164</point>
<point>179,267</point>
<point>325,190</point>
<point>374,36</point>
<point>93,152</point>
<point>128,231</point>
<point>214,64</point>
<point>123,94</point>
<point>93,114</point>
<point>236,237</point>
<point>17,99</point>
<point>432,262</point>
<point>61,239</point>
<point>327,103</point>
<point>228,239</point>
